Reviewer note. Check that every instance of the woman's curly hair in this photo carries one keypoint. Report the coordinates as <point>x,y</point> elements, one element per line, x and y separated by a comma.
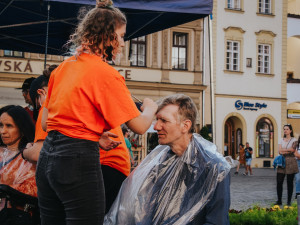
<point>95,32</point>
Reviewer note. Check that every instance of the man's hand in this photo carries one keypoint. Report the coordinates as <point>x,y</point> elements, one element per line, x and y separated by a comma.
<point>106,143</point>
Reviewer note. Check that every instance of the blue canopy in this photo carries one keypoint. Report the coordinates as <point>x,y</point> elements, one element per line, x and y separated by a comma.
<point>23,24</point>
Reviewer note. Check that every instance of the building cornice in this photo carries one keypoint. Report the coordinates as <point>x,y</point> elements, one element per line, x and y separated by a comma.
<point>165,86</point>
<point>234,28</point>
<point>266,32</point>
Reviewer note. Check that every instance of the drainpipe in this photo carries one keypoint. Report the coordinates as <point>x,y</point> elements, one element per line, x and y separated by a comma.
<point>212,91</point>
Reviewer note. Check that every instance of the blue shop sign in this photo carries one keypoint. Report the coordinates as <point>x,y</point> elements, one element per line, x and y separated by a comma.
<point>239,105</point>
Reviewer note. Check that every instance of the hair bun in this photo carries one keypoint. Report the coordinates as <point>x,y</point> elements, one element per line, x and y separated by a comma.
<point>104,3</point>
<point>47,72</point>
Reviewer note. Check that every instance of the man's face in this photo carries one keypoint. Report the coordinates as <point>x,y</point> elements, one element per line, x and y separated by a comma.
<point>247,145</point>
<point>168,125</point>
<point>27,96</point>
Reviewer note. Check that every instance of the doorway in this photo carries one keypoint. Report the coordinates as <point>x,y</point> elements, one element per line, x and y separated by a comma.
<point>233,136</point>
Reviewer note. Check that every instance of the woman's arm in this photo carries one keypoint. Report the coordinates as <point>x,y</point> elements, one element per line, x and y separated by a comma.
<point>44,119</point>
<point>141,124</point>
<point>285,151</point>
<point>32,153</point>
<point>297,154</point>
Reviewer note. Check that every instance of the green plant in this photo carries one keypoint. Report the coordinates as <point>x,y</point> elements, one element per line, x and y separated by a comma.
<point>204,132</point>
<point>265,216</point>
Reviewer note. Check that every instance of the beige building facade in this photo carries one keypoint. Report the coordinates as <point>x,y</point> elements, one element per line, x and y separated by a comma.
<point>249,49</point>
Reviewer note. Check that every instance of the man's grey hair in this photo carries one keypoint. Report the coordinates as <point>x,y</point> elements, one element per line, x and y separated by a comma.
<point>187,109</point>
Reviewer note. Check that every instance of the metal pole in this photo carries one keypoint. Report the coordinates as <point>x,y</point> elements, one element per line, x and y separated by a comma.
<point>203,72</point>
<point>212,92</point>
<point>47,34</point>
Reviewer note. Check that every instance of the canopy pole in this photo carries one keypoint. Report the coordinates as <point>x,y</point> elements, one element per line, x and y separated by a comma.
<point>47,34</point>
<point>212,91</point>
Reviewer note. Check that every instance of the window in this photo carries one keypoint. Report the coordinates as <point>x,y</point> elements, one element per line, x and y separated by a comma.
<point>179,51</point>
<point>264,6</point>
<point>264,55</point>
<point>13,53</point>
<point>138,51</point>
<point>234,4</point>
<point>232,56</point>
<point>264,136</point>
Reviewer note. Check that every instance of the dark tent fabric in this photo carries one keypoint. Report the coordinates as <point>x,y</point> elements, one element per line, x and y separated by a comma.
<point>23,24</point>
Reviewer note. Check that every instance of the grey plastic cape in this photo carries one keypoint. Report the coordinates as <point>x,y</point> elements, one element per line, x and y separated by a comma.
<point>167,189</point>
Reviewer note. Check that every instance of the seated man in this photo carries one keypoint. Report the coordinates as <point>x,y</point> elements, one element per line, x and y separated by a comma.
<point>184,180</point>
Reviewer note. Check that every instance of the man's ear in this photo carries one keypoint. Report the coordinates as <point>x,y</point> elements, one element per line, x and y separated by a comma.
<point>187,124</point>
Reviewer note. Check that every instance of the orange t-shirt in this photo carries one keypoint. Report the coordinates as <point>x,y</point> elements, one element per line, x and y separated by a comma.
<point>40,134</point>
<point>117,158</point>
<point>87,96</point>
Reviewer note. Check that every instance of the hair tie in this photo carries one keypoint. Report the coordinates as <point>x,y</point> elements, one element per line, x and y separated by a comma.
<point>104,4</point>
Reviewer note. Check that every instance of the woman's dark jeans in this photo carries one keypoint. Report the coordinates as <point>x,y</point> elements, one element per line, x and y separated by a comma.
<point>69,181</point>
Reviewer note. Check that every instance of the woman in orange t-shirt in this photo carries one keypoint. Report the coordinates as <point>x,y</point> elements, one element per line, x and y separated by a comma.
<point>86,97</point>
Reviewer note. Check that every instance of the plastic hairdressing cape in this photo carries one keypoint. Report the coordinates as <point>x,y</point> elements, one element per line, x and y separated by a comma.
<point>167,189</point>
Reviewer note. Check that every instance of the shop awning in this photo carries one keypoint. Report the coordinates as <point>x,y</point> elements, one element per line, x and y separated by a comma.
<point>23,24</point>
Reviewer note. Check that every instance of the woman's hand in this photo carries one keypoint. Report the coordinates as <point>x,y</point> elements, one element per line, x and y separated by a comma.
<point>106,143</point>
<point>150,105</point>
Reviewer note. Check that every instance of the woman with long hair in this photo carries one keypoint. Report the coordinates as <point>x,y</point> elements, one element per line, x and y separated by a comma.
<point>291,168</point>
<point>16,130</point>
<point>86,97</point>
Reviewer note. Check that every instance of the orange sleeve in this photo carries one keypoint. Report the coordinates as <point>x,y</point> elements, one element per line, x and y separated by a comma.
<point>40,134</point>
<point>115,103</point>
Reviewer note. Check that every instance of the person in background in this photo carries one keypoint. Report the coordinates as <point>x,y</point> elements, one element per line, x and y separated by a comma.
<point>242,159</point>
<point>297,154</point>
<point>291,167</point>
<point>16,130</point>
<point>38,93</point>
<point>128,144</point>
<point>25,91</point>
<point>248,156</point>
<point>115,166</point>
<point>86,98</point>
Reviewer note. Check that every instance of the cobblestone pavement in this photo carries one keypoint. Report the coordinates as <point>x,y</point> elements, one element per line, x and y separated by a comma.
<point>260,189</point>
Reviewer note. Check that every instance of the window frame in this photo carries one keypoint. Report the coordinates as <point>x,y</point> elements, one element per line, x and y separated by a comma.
<point>265,120</point>
<point>262,7</point>
<point>13,54</point>
<point>138,42</point>
<point>174,33</point>
<point>231,58</point>
<point>263,55</point>
<point>231,3</point>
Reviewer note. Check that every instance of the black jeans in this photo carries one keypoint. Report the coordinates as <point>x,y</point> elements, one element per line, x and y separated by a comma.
<point>69,181</point>
<point>290,185</point>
